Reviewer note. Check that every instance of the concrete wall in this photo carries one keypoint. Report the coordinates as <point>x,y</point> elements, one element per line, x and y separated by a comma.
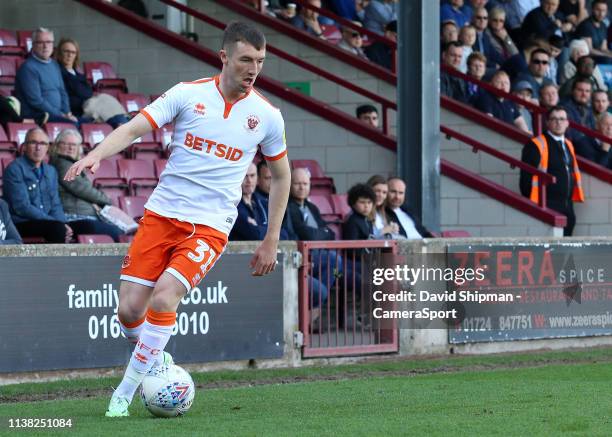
<point>594,217</point>
<point>151,67</point>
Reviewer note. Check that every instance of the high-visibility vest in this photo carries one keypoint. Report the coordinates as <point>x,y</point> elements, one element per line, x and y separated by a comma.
<point>542,144</point>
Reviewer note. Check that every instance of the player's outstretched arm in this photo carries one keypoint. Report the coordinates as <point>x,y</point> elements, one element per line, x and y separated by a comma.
<point>264,259</point>
<point>118,140</point>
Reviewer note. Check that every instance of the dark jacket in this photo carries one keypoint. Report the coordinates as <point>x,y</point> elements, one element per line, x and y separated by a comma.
<point>537,23</point>
<point>483,45</point>
<point>303,231</point>
<point>590,148</point>
<point>559,194</point>
<point>30,197</point>
<point>453,87</point>
<point>357,227</point>
<point>578,114</point>
<point>392,217</point>
<point>78,196</point>
<point>379,53</point>
<point>243,230</point>
<point>78,90</point>
<point>8,231</point>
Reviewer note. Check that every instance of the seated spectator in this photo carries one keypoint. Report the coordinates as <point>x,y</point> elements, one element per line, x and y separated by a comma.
<point>594,149</point>
<point>378,13</point>
<point>409,226</point>
<point>523,90</point>
<point>578,107</point>
<point>31,190</point>
<point>498,35</point>
<point>102,108</point>
<point>452,86</point>
<point>594,31</point>
<point>549,96</point>
<point>39,85</point>
<point>358,225</point>
<point>577,49</point>
<point>352,41</point>
<point>555,48</point>
<point>519,63</point>
<point>584,70</point>
<point>382,226</point>
<point>308,20</point>
<point>477,67</point>
<point>454,11</point>
<point>8,231</point>
<point>483,40</point>
<point>346,8</point>
<point>381,53</point>
<point>600,102</point>
<point>264,179</point>
<point>499,107</point>
<point>449,32</point>
<point>467,37</point>
<point>538,68</point>
<point>516,10</point>
<point>81,201</point>
<point>574,10</point>
<point>368,114</point>
<point>546,20</point>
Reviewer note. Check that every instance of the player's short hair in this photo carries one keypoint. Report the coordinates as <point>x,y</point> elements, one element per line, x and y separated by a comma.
<point>244,32</point>
<point>365,109</point>
<point>359,191</point>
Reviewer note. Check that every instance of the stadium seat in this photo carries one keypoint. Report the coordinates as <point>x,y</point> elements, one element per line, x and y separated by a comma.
<point>93,133</point>
<point>133,205</point>
<point>133,102</point>
<point>6,145</point>
<point>147,151</point>
<point>8,70</point>
<point>8,43</point>
<point>53,129</point>
<point>107,180</point>
<point>340,205</point>
<point>139,174</point>
<point>94,239</point>
<point>159,165</point>
<point>336,229</point>
<point>103,76</point>
<point>325,208</point>
<point>319,183</point>
<point>456,233</point>
<point>163,135</point>
<point>7,90</point>
<point>331,33</point>
<point>17,132</point>
<point>24,38</point>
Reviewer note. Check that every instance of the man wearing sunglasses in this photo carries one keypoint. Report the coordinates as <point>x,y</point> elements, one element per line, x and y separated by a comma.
<point>352,41</point>
<point>536,72</point>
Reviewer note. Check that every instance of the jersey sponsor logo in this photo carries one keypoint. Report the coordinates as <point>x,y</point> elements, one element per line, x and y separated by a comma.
<point>252,123</point>
<point>212,147</point>
<point>199,109</point>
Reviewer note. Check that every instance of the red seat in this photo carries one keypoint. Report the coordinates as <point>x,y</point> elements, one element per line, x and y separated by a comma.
<point>133,102</point>
<point>313,167</point>
<point>456,233</point>
<point>24,38</point>
<point>5,144</point>
<point>8,70</point>
<point>102,75</point>
<point>133,205</point>
<point>93,133</point>
<point>319,183</point>
<point>159,165</point>
<point>147,151</point>
<point>53,129</point>
<point>94,239</point>
<point>331,33</point>
<point>107,179</point>
<point>8,43</point>
<point>340,205</point>
<point>336,229</point>
<point>110,91</point>
<point>7,90</point>
<point>139,174</point>
<point>17,132</point>
<point>114,193</point>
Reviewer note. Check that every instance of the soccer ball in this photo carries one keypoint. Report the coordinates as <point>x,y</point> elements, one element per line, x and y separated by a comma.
<point>167,391</point>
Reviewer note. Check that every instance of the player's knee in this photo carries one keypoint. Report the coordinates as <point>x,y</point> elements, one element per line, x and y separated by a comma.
<point>165,300</point>
<point>128,314</point>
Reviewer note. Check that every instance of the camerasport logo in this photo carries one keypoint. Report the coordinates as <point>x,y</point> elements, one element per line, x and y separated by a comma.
<point>199,109</point>
<point>252,123</point>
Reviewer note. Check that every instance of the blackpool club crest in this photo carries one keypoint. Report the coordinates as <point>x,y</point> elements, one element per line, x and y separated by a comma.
<point>252,123</point>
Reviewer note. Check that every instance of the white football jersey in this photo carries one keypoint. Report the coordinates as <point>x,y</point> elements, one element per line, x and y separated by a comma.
<point>212,146</point>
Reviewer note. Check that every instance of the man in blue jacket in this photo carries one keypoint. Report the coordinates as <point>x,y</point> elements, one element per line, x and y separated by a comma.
<point>31,190</point>
<point>39,85</point>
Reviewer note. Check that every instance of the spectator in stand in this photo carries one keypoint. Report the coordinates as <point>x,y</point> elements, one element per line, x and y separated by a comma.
<point>81,201</point>
<point>499,107</point>
<point>578,107</point>
<point>31,190</point>
<point>467,37</point>
<point>449,32</point>
<point>409,226</point>
<point>352,41</point>
<point>555,48</point>
<point>519,63</point>
<point>8,231</point>
<point>308,20</point>
<point>378,13</point>
<point>549,96</point>
<point>574,10</point>
<point>477,67</point>
<point>594,31</point>
<point>600,102</point>
<point>523,90</point>
<point>516,10</point>
<point>39,85</point>
<point>100,108</point>
<point>577,49</point>
<point>585,69</point>
<point>347,8</point>
<point>454,11</point>
<point>264,179</point>
<point>452,86</point>
<point>594,149</point>
<point>553,153</point>
<point>498,35</point>
<point>483,43</point>
<point>546,20</point>
<point>382,226</point>
<point>381,53</point>
<point>358,226</point>
<point>538,67</point>
<point>368,114</point>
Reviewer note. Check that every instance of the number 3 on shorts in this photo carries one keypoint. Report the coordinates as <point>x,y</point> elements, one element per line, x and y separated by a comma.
<point>201,251</point>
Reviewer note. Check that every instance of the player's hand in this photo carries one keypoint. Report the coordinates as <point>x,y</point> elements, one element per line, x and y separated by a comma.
<point>89,162</point>
<point>264,259</point>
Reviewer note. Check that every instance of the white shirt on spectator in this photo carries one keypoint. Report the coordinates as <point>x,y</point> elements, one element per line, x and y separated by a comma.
<point>408,225</point>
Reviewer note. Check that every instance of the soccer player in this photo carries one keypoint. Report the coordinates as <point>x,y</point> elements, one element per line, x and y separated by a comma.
<point>219,123</point>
